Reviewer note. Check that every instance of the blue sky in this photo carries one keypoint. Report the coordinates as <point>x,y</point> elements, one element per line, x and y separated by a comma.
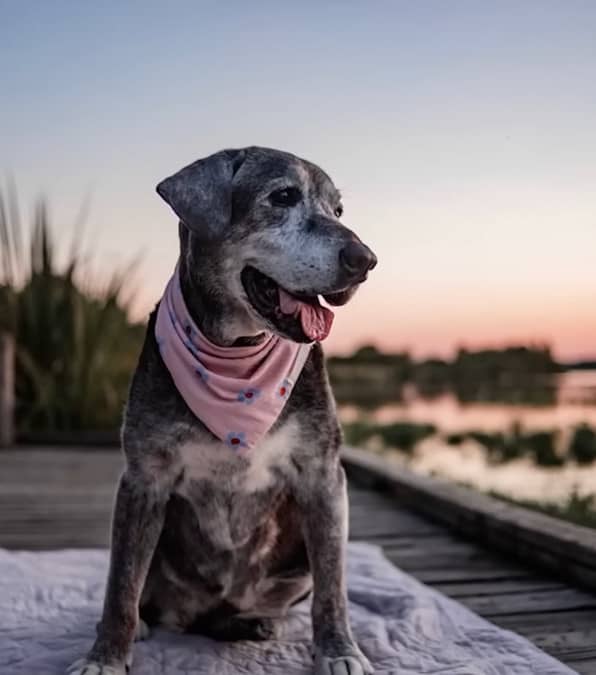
<point>462,134</point>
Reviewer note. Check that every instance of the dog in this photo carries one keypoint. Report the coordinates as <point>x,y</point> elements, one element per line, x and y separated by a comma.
<point>217,539</point>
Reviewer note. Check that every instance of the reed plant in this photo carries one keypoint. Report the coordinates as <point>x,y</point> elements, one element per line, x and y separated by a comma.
<point>76,343</point>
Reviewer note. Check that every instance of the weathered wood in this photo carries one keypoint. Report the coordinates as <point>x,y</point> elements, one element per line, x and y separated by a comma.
<point>533,601</point>
<point>63,499</point>
<point>386,529</point>
<point>584,667</point>
<point>7,389</point>
<point>487,571</point>
<point>552,544</point>
<point>90,440</point>
<point>491,588</point>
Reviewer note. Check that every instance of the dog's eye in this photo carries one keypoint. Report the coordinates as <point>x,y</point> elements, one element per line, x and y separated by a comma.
<point>339,211</point>
<point>286,197</point>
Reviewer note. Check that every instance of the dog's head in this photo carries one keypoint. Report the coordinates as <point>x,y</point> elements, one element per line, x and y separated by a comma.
<point>269,222</point>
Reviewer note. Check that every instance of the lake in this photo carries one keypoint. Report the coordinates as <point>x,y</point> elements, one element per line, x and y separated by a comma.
<point>574,403</point>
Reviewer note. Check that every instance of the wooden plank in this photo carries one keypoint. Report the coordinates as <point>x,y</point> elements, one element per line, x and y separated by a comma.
<point>436,545</point>
<point>488,571</point>
<point>571,643</point>
<point>396,528</point>
<point>491,588</point>
<point>538,601</point>
<point>584,667</point>
<point>360,514</point>
<point>541,622</point>
<point>413,562</point>
<point>44,541</point>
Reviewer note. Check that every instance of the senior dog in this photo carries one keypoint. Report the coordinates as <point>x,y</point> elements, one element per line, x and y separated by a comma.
<point>233,505</point>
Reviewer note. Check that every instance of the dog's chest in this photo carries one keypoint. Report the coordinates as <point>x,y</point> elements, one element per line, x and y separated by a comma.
<point>248,471</point>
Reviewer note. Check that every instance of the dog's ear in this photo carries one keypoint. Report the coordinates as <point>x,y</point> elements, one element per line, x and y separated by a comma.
<point>200,194</point>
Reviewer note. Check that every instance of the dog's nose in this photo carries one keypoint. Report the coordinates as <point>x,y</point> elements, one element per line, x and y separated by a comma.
<point>357,259</point>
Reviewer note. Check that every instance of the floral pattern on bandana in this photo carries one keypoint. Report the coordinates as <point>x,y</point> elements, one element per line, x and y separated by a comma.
<point>236,439</point>
<point>283,391</point>
<point>249,395</point>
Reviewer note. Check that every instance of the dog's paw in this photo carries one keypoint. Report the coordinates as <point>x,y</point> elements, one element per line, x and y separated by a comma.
<point>87,667</point>
<point>142,631</point>
<point>353,663</point>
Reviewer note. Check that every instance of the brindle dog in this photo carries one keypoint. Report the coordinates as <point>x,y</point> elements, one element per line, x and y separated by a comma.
<point>204,539</point>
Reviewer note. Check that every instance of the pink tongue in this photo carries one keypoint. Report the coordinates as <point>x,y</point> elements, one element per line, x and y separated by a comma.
<point>316,320</point>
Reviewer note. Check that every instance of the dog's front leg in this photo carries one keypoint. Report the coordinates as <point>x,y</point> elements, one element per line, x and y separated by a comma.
<point>325,514</point>
<point>138,519</point>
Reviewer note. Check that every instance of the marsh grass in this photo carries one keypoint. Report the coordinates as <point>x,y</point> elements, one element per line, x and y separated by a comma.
<point>76,345</point>
<point>577,509</point>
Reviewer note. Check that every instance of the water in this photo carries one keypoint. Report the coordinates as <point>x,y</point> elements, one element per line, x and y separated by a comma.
<point>574,403</point>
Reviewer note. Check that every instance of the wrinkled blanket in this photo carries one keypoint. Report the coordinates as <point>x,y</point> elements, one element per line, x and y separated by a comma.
<point>50,602</point>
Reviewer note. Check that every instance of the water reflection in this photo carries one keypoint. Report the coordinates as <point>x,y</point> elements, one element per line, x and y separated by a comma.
<point>519,479</point>
<point>573,401</point>
<point>567,400</point>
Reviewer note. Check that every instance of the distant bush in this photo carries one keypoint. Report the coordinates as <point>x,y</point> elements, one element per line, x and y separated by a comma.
<point>455,439</point>
<point>541,444</point>
<point>405,435</point>
<point>402,435</point>
<point>368,378</point>
<point>515,374</point>
<point>76,346</point>
<point>507,446</point>
<point>357,433</point>
<point>582,447</point>
<point>500,447</point>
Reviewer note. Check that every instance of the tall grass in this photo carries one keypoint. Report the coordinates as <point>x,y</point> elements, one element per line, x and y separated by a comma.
<point>76,345</point>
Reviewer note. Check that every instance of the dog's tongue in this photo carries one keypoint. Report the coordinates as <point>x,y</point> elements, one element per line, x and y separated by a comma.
<point>316,320</point>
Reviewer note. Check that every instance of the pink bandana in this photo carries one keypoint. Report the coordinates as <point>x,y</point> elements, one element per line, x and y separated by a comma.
<point>237,392</point>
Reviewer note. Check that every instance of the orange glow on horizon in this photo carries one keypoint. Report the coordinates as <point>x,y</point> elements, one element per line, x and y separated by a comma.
<point>437,325</point>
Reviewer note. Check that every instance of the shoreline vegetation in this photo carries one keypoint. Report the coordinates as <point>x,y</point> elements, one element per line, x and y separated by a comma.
<point>514,375</point>
<point>76,346</point>
<point>544,447</point>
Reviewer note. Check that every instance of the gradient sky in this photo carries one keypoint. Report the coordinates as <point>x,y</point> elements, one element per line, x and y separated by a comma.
<point>462,135</point>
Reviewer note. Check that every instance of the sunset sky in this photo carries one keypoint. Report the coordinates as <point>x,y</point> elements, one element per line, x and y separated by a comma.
<point>462,135</point>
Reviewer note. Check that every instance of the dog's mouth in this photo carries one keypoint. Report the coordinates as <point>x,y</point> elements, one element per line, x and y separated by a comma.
<point>298,315</point>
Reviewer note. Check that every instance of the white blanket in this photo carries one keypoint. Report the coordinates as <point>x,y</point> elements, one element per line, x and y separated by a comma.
<point>50,602</point>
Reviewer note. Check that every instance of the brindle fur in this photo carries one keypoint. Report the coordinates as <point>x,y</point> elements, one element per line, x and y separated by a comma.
<point>204,539</point>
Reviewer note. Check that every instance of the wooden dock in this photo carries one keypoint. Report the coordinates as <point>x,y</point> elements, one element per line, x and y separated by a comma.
<point>52,498</point>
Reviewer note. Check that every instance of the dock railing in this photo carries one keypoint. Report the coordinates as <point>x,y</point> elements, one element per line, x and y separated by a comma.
<point>7,389</point>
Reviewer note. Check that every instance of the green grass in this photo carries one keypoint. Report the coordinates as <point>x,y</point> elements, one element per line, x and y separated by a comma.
<point>76,346</point>
<point>580,510</point>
